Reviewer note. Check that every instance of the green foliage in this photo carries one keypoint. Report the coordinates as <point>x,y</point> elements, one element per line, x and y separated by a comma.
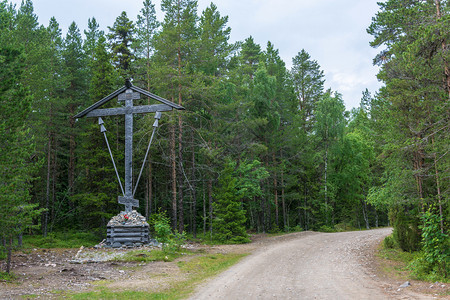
<point>7,277</point>
<point>411,114</point>
<point>229,223</point>
<point>171,242</point>
<point>121,37</point>
<point>435,245</point>
<point>308,82</point>
<point>325,228</point>
<point>59,239</point>
<point>341,227</point>
<point>389,242</point>
<point>406,232</point>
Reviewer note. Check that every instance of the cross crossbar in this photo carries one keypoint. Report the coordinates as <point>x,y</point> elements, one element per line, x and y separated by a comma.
<point>125,110</point>
<point>129,202</point>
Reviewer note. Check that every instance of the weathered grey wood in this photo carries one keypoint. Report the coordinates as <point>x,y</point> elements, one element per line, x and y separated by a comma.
<point>131,240</point>
<point>101,102</point>
<point>124,110</point>
<point>129,96</point>
<point>126,234</point>
<point>128,200</point>
<point>129,234</point>
<point>157,98</point>
<point>127,228</point>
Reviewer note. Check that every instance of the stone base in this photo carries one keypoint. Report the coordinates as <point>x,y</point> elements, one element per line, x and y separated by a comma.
<point>129,233</point>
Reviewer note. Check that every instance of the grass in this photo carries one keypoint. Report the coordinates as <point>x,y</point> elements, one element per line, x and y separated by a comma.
<point>405,265</point>
<point>72,239</point>
<point>396,262</point>
<point>149,256</point>
<point>7,277</point>
<point>194,271</point>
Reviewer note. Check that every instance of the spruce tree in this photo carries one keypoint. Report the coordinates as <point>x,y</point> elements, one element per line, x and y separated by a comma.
<point>121,37</point>
<point>229,221</point>
<point>16,164</point>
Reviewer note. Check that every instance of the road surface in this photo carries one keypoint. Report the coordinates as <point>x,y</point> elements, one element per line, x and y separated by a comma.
<point>308,266</point>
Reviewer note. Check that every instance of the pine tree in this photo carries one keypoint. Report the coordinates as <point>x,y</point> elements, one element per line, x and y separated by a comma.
<point>146,27</point>
<point>414,67</point>
<point>175,51</point>
<point>308,82</point>
<point>250,56</point>
<point>75,94</point>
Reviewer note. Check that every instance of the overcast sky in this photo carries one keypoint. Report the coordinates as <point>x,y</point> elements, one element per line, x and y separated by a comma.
<point>333,32</point>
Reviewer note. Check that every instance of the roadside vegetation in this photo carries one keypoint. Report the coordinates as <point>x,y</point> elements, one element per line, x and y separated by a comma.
<point>426,259</point>
<point>193,272</point>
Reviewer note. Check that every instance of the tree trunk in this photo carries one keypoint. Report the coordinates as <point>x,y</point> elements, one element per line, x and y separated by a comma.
<point>204,210</point>
<point>71,168</point>
<point>174,177</point>
<point>8,255</point>
<point>283,202</point>
<point>275,188</point>
<point>53,180</point>
<point>210,206</point>
<point>47,193</point>
<point>180,138</point>
<point>418,163</point>
<point>326,187</point>
<point>438,187</point>
<point>180,177</point>
<point>305,204</point>
<point>148,205</point>
<point>194,191</point>
<point>365,214</point>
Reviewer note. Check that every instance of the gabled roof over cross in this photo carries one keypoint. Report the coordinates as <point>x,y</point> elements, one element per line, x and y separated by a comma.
<point>93,111</point>
<point>128,93</point>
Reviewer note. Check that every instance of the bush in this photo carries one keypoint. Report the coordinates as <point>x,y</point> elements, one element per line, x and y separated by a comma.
<point>435,244</point>
<point>325,228</point>
<point>341,227</point>
<point>406,231</point>
<point>389,242</point>
<point>163,233</point>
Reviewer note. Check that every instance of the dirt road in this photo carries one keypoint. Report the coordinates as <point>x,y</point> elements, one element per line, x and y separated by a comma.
<point>306,266</point>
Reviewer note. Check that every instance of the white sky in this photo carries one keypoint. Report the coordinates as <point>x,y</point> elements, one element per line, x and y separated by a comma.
<point>333,32</point>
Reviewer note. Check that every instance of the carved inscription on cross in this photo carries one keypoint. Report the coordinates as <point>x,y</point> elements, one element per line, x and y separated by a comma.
<point>127,94</point>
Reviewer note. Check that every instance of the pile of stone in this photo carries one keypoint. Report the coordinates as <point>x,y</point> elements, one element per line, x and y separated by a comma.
<point>127,218</point>
<point>128,229</point>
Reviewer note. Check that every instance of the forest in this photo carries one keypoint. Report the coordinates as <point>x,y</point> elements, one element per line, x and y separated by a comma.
<point>258,148</point>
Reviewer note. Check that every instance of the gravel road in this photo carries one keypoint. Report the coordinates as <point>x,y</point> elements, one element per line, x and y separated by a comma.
<point>306,266</point>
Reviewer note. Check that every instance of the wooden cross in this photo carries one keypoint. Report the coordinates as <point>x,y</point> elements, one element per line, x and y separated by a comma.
<point>127,94</point>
